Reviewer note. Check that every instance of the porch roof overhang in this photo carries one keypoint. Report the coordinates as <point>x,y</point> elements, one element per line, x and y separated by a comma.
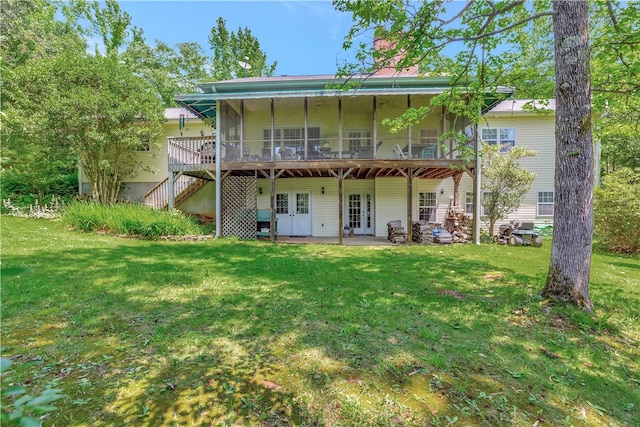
<point>204,104</point>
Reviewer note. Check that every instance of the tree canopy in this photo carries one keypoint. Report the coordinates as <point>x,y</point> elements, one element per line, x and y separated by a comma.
<point>65,100</point>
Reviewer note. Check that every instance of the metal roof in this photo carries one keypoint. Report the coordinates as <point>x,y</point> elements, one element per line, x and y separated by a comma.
<point>204,104</point>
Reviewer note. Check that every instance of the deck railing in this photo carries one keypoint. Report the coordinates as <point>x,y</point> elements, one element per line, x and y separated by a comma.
<point>198,153</point>
<point>191,150</point>
<point>158,196</point>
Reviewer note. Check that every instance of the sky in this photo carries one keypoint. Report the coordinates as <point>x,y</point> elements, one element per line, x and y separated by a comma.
<point>304,37</point>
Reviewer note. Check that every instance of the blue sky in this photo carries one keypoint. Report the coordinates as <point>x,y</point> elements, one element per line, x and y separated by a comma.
<point>305,37</point>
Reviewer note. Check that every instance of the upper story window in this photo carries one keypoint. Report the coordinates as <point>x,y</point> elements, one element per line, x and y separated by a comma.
<point>505,137</point>
<point>428,136</point>
<point>292,138</point>
<point>358,139</point>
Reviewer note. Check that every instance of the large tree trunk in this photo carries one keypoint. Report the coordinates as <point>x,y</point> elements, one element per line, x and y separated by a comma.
<point>568,278</point>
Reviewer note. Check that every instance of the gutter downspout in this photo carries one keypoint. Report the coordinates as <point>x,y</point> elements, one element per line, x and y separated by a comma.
<point>218,172</point>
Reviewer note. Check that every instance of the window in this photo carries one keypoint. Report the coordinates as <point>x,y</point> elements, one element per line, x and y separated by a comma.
<point>545,203</point>
<point>428,136</point>
<point>358,139</point>
<point>302,203</point>
<point>505,137</point>
<point>468,202</point>
<point>487,200</point>
<point>427,207</point>
<point>282,203</point>
<point>266,137</point>
<point>292,138</point>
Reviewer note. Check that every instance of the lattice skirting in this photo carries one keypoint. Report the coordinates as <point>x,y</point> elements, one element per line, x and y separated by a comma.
<point>239,206</point>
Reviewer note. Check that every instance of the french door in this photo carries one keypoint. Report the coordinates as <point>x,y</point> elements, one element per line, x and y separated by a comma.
<point>359,215</point>
<point>293,211</point>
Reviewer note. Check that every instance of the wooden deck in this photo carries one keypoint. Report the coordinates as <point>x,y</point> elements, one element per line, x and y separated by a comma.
<point>196,157</point>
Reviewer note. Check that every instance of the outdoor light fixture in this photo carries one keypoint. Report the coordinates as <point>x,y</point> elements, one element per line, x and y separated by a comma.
<point>322,189</point>
<point>442,191</point>
<point>260,190</point>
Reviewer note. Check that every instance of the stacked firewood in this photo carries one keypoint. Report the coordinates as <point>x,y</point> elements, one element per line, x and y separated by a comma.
<point>396,232</point>
<point>422,232</point>
<point>458,225</point>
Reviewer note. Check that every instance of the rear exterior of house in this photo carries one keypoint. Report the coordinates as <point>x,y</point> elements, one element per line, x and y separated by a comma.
<point>320,160</point>
<point>520,124</point>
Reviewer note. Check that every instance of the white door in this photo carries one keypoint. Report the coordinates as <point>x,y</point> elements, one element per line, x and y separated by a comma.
<point>359,215</point>
<point>293,211</point>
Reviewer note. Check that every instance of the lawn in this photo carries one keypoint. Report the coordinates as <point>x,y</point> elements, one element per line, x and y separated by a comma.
<point>226,332</point>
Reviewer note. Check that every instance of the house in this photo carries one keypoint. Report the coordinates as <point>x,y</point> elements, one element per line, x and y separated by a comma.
<point>320,159</point>
<point>523,122</point>
<point>150,185</point>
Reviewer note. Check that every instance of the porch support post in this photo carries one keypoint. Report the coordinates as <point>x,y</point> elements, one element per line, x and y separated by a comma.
<point>219,122</point>
<point>477,190</point>
<point>171,191</point>
<point>306,128</point>
<point>272,191</point>
<point>340,127</point>
<point>409,130</point>
<point>375,128</point>
<point>241,128</point>
<point>273,130</point>
<point>443,131</point>
<point>340,207</point>
<point>456,188</point>
<point>410,205</point>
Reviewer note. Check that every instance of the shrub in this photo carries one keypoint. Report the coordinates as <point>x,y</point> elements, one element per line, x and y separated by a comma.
<point>617,211</point>
<point>20,408</point>
<point>129,220</point>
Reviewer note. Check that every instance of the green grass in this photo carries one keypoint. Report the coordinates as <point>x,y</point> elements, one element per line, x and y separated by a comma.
<point>127,219</point>
<point>223,332</point>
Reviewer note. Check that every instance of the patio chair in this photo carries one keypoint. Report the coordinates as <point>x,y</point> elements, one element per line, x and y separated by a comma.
<point>398,153</point>
<point>428,152</point>
<point>286,154</point>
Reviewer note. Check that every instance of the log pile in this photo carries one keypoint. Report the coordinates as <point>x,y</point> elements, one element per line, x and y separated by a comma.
<point>396,232</point>
<point>422,232</point>
<point>458,225</point>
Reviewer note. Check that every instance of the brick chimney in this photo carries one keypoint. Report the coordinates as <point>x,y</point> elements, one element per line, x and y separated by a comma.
<point>382,45</point>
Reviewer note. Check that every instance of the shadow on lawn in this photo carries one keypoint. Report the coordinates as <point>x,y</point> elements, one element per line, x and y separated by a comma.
<point>215,331</point>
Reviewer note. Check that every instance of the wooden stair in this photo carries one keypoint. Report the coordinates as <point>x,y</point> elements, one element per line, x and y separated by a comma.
<point>190,190</point>
<point>184,187</point>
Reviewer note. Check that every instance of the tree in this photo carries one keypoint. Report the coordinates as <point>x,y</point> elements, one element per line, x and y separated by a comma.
<point>482,31</point>
<point>230,48</point>
<point>31,167</point>
<point>617,211</point>
<point>96,108</point>
<point>78,106</point>
<point>504,182</point>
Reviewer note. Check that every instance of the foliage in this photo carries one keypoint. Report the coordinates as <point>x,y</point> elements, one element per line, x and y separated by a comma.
<point>617,211</point>
<point>129,220</point>
<point>231,47</point>
<point>504,182</point>
<point>96,108</point>
<point>31,166</point>
<point>615,72</point>
<point>170,71</point>
<point>36,209</point>
<point>25,409</point>
<point>228,332</point>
